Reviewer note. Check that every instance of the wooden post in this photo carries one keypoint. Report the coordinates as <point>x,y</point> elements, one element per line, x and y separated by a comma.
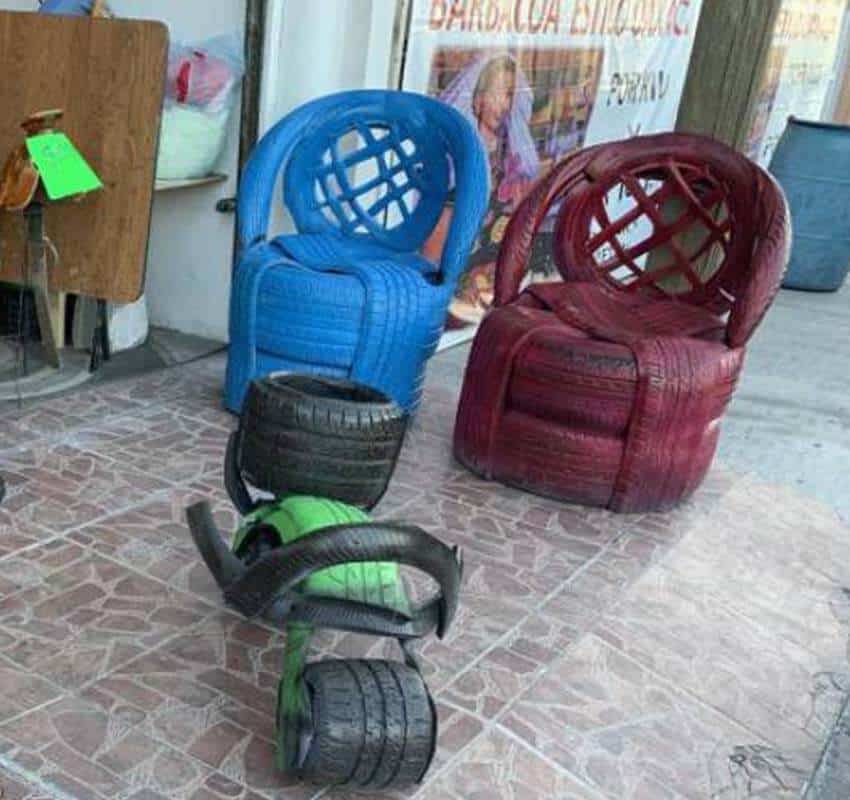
<point>37,248</point>
<point>729,57</point>
<point>841,99</point>
<point>842,109</point>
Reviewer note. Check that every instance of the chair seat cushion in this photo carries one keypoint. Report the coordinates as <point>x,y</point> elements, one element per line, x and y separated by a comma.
<point>560,374</point>
<point>340,307</point>
<point>310,308</point>
<point>630,425</point>
<point>326,251</point>
<point>625,317</point>
<point>577,368</point>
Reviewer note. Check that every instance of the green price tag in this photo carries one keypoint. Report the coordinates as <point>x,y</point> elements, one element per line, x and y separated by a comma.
<point>62,168</point>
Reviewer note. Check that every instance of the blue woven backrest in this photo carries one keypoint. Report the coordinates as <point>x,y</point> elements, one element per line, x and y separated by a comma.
<point>377,167</point>
<point>371,163</point>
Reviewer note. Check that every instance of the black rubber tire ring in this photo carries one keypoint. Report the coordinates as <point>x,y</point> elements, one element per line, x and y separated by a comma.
<point>304,434</point>
<point>374,725</point>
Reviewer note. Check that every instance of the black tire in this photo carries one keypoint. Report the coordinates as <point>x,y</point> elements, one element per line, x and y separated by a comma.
<point>304,434</point>
<point>374,725</point>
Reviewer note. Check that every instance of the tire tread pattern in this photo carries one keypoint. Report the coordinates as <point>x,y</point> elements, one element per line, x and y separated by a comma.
<point>344,447</point>
<point>374,724</point>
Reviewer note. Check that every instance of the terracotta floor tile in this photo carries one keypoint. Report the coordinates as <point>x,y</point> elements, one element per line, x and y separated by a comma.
<point>153,538</point>
<point>159,441</point>
<point>696,654</point>
<point>23,691</point>
<point>437,416</point>
<point>670,526</point>
<point>510,667</point>
<point>480,622</point>
<point>515,557</point>
<point>211,693</point>
<point>456,730</point>
<point>152,387</point>
<point>227,662</point>
<point>595,526</point>
<point>50,418</point>
<point>603,582</point>
<point>197,380</point>
<point>394,502</point>
<point>425,462</point>
<point>443,661</point>
<point>29,568</point>
<point>77,746</point>
<point>57,486</point>
<point>11,788</point>
<point>86,617</point>
<point>770,559</point>
<point>615,725</point>
<point>11,435</point>
<point>211,412</point>
<point>17,532</point>
<point>756,677</point>
<point>498,767</point>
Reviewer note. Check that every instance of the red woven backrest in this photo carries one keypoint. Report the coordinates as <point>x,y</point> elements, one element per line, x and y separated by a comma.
<point>671,215</point>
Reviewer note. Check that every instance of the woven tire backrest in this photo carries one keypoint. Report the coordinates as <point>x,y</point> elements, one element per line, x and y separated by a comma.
<point>669,215</point>
<point>378,170</point>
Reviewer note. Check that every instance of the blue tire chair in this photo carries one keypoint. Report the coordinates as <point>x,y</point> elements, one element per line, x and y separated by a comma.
<point>366,176</point>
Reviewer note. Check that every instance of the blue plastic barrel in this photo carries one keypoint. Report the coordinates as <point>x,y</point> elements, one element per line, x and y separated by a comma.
<point>812,163</point>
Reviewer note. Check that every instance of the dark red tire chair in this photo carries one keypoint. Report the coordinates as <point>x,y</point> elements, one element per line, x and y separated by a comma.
<point>607,389</point>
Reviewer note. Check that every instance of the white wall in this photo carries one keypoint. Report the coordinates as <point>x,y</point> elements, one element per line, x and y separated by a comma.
<point>191,246</point>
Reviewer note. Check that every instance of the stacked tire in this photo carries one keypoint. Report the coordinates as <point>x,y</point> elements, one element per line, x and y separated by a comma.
<point>312,435</point>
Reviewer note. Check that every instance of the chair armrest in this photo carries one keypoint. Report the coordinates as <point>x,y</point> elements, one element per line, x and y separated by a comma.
<point>472,190</point>
<point>515,251</point>
<point>259,178</point>
<point>771,254</point>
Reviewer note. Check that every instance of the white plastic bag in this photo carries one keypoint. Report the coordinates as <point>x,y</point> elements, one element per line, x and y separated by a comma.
<point>201,92</point>
<point>190,143</point>
<point>206,75</point>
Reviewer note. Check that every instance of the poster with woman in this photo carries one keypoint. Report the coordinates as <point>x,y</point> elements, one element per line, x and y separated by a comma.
<point>530,109</point>
<point>539,79</point>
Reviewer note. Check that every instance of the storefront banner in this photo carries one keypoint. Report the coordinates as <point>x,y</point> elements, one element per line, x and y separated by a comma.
<point>539,79</point>
<point>801,68</point>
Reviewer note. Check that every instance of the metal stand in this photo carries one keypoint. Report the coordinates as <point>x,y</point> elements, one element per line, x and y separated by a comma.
<point>100,348</point>
<point>49,304</point>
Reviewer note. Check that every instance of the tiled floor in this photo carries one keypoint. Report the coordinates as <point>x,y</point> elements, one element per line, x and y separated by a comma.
<point>700,654</point>
<point>26,378</point>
